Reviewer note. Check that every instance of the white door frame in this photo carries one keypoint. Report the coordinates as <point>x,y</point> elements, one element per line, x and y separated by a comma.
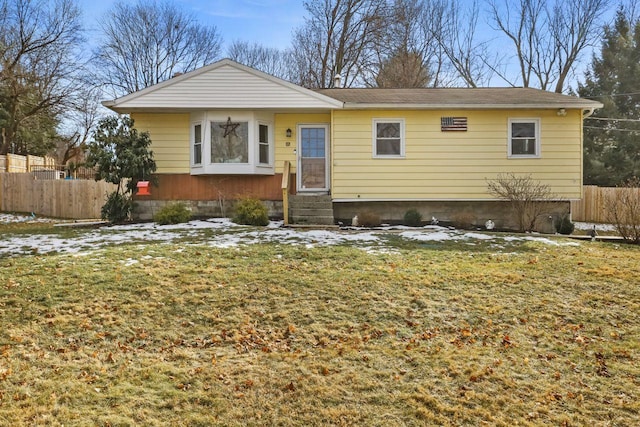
<point>327,156</point>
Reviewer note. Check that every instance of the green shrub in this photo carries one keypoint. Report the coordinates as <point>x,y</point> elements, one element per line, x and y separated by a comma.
<point>369,219</point>
<point>173,213</point>
<point>251,211</point>
<point>412,218</point>
<point>117,208</point>
<point>564,225</point>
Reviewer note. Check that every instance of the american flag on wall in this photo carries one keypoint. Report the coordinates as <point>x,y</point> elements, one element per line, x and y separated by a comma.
<point>453,124</point>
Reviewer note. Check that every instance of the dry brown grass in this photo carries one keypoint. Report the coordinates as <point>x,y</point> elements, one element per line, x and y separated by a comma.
<point>275,335</point>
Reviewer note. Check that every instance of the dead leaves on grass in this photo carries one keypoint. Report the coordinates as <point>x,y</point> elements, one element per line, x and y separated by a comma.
<point>601,365</point>
<point>250,337</point>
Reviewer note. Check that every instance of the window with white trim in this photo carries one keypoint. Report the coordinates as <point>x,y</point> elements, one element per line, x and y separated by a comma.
<point>524,138</point>
<point>229,142</point>
<point>263,144</point>
<point>197,144</point>
<point>388,138</point>
<point>234,142</point>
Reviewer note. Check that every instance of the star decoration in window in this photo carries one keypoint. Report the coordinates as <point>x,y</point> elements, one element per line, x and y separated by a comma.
<point>229,128</point>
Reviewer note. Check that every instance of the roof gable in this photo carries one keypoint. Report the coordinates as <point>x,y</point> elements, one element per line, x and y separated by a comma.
<point>223,84</point>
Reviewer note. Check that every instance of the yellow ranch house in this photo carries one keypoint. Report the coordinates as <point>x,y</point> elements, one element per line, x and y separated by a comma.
<point>227,131</point>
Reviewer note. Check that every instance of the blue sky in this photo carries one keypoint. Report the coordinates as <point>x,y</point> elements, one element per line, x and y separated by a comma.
<point>269,22</point>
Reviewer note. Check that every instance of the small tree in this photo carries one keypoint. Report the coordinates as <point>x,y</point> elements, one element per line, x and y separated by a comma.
<point>624,210</point>
<point>121,156</point>
<point>529,198</point>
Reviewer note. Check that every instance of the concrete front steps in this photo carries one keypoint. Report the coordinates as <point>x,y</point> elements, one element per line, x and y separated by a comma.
<point>311,209</point>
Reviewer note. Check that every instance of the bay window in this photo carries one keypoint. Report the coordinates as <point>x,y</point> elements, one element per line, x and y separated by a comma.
<point>235,142</point>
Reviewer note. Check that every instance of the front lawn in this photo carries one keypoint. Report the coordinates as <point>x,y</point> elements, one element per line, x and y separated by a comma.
<point>409,332</point>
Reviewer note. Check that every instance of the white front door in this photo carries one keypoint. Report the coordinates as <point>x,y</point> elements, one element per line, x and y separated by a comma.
<point>313,158</point>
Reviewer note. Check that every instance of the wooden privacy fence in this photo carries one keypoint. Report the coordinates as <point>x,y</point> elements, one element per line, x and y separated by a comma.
<point>593,206</point>
<point>19,164</point>
<point>60,198</point>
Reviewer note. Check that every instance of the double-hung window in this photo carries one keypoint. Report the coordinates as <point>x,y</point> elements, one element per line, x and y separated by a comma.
<point>524,138</point>
<point>197,144</point>
<point>263,144</point>
<point>388,138</point>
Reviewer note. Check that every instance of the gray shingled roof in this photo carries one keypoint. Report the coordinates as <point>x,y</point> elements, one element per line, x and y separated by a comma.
<point>473,98</point>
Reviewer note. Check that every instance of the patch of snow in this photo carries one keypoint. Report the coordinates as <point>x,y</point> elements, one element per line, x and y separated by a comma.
<point>7,218</point>
<point>478,236</point>
<point>435,236</point>
<point>586,226</point>
<point>226,234</point>
<point>543,240</point>
<point>380,251</point>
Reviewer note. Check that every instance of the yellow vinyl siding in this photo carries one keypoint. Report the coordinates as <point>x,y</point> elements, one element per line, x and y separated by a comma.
<point>291,121</point>
<point>169,140</point>
<point>451,165</point>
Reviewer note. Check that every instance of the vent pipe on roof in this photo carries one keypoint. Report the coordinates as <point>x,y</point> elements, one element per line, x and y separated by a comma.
<point>337,81</point>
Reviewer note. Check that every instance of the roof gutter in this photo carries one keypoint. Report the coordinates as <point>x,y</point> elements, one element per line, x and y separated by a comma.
<point>588,112</point>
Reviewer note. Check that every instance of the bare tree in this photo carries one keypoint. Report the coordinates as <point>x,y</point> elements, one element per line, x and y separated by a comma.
<point>80,119</point>
<point>39,51</point>
<point>530,199</point>
<point>631,9</point>
<point>148,42</point>
<point>454,27</point>
<point>267,59</point>
<point>336,38</point>
<point>548,37</point>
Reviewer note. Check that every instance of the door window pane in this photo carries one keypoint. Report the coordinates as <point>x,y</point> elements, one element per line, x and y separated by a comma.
<point>313,142</point>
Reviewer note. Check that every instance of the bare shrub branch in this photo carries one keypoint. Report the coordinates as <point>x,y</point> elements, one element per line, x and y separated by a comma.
<point>624,210</point>
<point>530,199</point>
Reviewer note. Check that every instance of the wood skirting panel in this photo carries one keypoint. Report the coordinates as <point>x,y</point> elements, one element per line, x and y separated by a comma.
<point>213,187</point>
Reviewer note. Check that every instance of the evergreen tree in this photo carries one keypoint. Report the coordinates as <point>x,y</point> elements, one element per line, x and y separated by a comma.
<point>612,147</point>
<point>121,156</point>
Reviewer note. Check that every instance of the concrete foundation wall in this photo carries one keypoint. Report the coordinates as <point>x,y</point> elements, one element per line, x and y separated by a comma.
<point>146,209</point>
<point>458,214</point>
